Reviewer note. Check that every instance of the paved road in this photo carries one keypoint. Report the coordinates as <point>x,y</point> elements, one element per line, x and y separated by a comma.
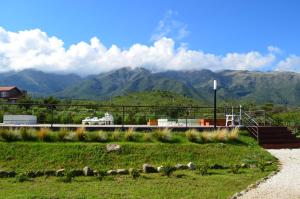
<point>283,185</point>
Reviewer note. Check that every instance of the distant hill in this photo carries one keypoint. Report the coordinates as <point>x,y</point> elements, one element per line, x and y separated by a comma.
<point>259,87</point>
<point>38,83</point>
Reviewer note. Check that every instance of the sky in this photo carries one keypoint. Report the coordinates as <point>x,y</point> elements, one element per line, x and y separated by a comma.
<point>94,36</point>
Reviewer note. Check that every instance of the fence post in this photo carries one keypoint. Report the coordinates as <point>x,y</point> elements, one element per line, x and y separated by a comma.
<point>123,115</point>
<point>51,116</point>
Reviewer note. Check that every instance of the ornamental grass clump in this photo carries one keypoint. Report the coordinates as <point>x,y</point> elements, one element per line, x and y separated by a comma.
<point>209,136</point>
<point>147,137</point>
<point>10,135</point>
<point>130,135</point>
<point>233,134</point>
<point>97,136</point>
<point>222,135</point>
<point>116,135</point>
<point>28,134</point>
<point>45,135</point>
<point>164,135</point>
<point>62,134</point>
<point>80,134</point>
<point>193,135</point>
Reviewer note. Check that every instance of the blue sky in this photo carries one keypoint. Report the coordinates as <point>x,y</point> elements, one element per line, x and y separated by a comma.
<point>216,27</point>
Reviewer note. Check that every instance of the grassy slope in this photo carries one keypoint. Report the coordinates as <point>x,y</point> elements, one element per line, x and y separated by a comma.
<point>24,156</point>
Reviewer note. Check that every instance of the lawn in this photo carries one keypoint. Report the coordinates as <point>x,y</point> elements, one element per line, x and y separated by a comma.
<point>25,156</point>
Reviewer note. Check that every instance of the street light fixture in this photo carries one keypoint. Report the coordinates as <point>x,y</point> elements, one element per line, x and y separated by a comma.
<point>215,104</point>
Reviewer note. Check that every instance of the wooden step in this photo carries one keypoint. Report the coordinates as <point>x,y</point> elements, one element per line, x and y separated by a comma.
<point>278,141</point>
<point>281,146</point>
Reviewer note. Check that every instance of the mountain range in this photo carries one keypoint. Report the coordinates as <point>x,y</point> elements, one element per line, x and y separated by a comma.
<point>233,85</point>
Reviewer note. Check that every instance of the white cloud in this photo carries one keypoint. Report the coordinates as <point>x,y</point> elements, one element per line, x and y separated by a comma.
<point>291,63</point>
<point>274,49</point>
<point>35,49</point>
<point>170,27</point>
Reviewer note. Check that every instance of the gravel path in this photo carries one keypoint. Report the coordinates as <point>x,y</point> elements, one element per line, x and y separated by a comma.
<point>286,183</point>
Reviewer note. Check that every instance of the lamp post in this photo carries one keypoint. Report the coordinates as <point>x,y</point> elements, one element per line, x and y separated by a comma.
<point>215,104</point>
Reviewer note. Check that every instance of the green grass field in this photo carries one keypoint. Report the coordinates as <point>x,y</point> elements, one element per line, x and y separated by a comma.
<point>28,156</point>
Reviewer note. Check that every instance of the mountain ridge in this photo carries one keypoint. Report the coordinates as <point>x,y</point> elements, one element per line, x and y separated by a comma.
<point>260,87</point>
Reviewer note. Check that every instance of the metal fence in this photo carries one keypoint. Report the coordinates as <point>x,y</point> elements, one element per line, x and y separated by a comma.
<point>75,113</point>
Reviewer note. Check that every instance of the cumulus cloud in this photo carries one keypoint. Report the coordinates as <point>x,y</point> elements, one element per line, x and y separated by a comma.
<point>35,49</point>
<point>291,63</point>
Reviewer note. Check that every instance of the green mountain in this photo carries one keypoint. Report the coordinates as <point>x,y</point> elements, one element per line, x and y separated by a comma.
<point>38,83</point>
<point>250,86</point>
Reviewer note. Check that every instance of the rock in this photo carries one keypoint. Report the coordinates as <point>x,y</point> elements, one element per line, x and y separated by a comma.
<point>122,171</point>
<point>50,173</point>
<point>4,174</point>
<point>60,172</point>
<point>181,166</point>
<point>111,172</point>
<point>217,166</point>
<point>113,147</point>
<point>191,166</point>
<point>159,169</point>
<point>31,174</point>
<point>76,172</point>
<point>87,171</point>
<point>95,172</point>
<point>39,173</point>
<point>147,168</point>
<point>12,174</point>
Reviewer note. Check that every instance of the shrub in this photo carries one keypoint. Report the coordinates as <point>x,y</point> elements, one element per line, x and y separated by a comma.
<point>164,135</point>
<point>116,135</point>
<point>9,135</point>
<point>203,169</point>
<point>44,134</point>
<point>233,134</point>
<point>235,168</point>
<point>168,170</point>
<point>80,134</point>
<point>28,134</point>
<point>130,135</point>
<point>134,173</point>
<point>192,135</point>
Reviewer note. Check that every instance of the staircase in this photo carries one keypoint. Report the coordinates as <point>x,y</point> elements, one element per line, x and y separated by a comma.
<point>277,137</point>
<point>271,136</point>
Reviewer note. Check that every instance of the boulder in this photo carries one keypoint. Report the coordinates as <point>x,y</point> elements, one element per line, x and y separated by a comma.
<point>111,172</point>
<point>60,172</point>
<point>113,147</point>
<point>147,168</point>
<point>191,166</point>
<point>49,173</point>
<point>159,169</point>
<point>122,171</point>
<point>87,171</point>
<point>181,166</point>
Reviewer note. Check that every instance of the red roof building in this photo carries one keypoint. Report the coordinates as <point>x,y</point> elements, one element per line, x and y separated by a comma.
<point>11,93</point>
